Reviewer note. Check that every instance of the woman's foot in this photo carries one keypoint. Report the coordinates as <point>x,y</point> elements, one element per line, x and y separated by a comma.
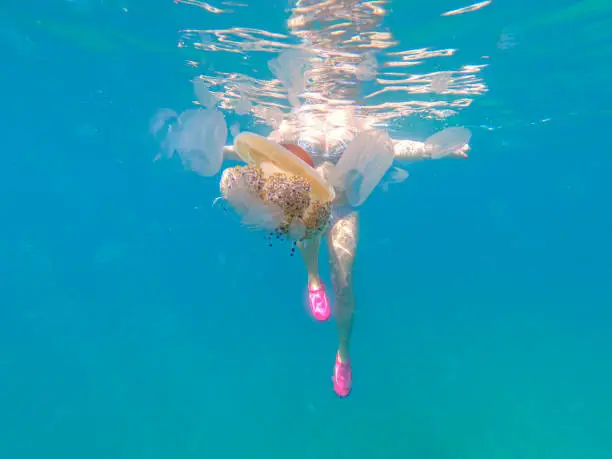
<point>343,377</point>
<point>319,303</point>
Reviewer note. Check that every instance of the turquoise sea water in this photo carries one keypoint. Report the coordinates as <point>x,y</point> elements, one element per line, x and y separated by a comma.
<point>136,321</point>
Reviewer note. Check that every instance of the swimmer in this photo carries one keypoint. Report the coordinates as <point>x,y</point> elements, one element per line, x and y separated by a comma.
<point>307,179</point>
<point>337,223</point>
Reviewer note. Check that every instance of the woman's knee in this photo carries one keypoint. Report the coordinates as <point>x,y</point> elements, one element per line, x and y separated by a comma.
<point>342,281</point>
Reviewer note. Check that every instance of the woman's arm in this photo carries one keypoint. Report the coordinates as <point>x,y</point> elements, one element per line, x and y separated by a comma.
<point>404,150</point>
<point>229,154</point>
<point>412,150</point>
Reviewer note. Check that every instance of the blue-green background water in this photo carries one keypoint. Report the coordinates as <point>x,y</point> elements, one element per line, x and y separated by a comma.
<point>136,321</point>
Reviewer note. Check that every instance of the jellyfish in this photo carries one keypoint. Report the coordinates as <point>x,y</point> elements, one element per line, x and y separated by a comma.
<point>362,165</point>
<point>290,68</point>
<point>440,82</point>
<point>235,129</point>
<point>203,94</point>
<point>396,175</point>
<point>161,119</point>
<point>448,141</point>
<point>276,190</point>
<point>198,136</point>
<point>367,69</point>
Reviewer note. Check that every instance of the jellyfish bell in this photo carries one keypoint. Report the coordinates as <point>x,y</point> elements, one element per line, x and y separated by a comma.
<point>255,149</point>
<point>278,190</point>
<point>362,166</point>
<point>452,140</point>
<point>198,137</point>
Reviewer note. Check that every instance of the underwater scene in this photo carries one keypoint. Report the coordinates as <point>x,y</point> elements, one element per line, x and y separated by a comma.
<point>306,229</point>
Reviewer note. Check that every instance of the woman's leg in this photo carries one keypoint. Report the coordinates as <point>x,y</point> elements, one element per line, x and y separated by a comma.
<point>342,245</point>
<point>317,298</point>
<point>310,254</point>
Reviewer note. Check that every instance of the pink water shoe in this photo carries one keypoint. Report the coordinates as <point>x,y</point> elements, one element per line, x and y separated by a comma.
<point>342,378</point>
<point>319,304</point>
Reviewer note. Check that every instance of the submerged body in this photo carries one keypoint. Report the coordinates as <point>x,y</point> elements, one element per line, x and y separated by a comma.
<point>351,169</point>
<point>327,153</point>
